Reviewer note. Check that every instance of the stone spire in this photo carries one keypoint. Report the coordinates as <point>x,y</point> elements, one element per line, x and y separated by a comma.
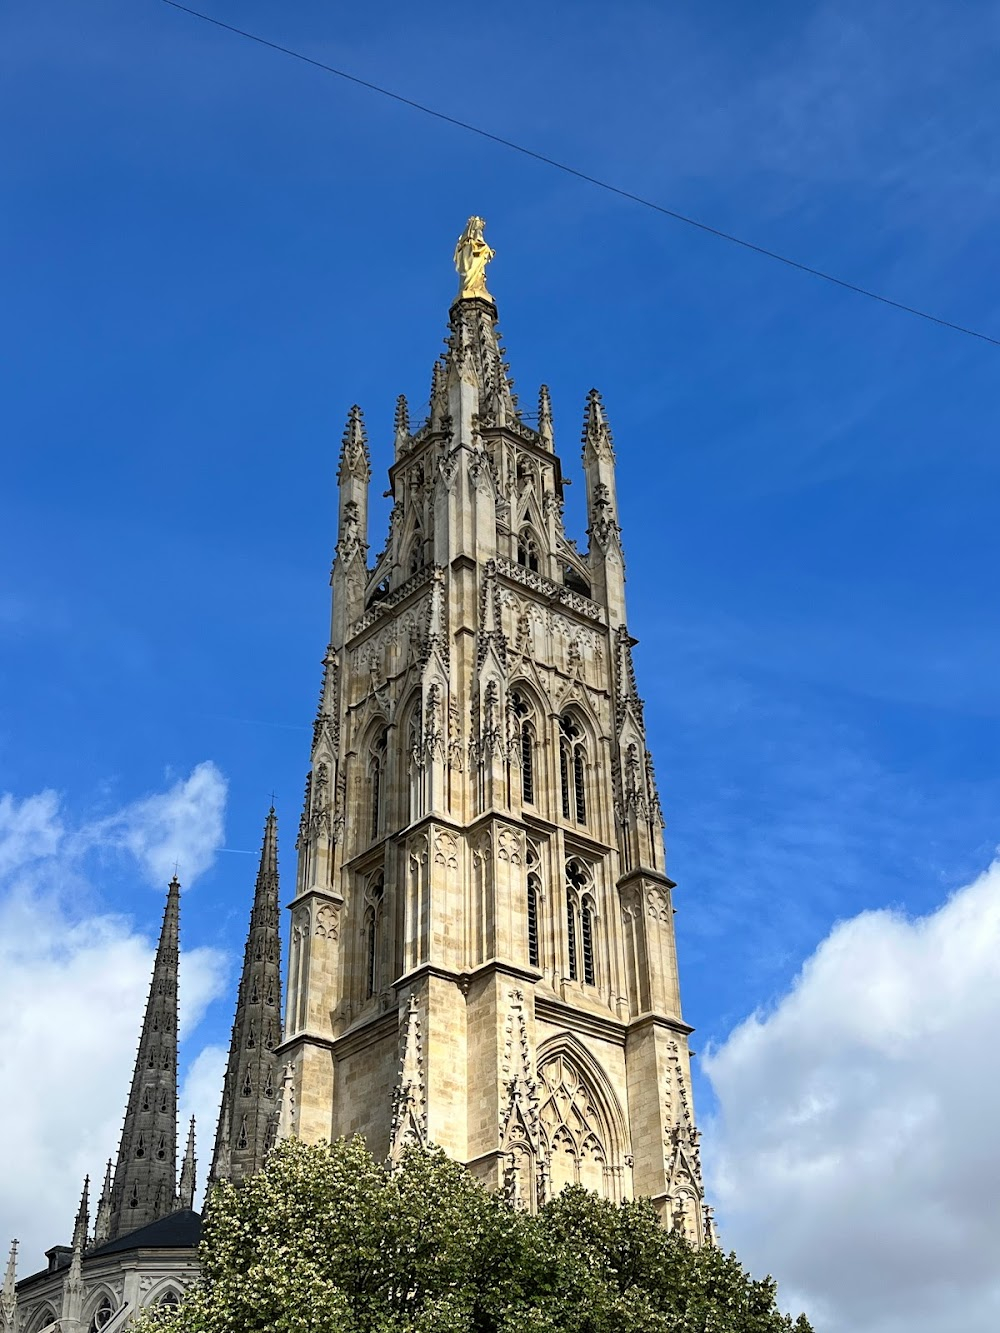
<point>143,1188</point>
<point>8,1293</point>
<point>253,1073</point>
<point>607,561</point>
<point>186,1188</point>
<point>73,1289</point>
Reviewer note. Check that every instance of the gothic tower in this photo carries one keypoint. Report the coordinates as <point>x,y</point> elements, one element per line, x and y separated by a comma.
<point>482,942</point>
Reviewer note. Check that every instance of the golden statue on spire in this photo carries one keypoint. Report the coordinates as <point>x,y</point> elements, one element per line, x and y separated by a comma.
<point>472,254</point>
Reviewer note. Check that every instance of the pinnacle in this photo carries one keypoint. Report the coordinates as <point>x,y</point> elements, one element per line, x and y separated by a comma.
<point>354,456</point>
<point>597,437</point>
<point>545,416</point>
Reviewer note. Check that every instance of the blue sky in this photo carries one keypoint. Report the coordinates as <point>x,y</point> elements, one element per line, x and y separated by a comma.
<point>211,251</point>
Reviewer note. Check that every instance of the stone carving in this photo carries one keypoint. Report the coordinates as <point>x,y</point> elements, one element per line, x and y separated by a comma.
<point>327,922</point>
<point>553,591</point>
<point>657,904</point>
<point>446,849</point>
<point>409,1109</point>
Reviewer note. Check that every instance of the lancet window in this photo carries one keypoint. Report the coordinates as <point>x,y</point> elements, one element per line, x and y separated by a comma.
<point>525,744</point>
<point>534,895</point>
<point>373,931</point>
<point>527,549</point>
<point>377,782</point>
<point>572,770</point>
<point>580,914</point>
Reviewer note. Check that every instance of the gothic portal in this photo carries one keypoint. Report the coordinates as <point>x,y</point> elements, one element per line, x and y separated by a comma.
<point>482,945</point>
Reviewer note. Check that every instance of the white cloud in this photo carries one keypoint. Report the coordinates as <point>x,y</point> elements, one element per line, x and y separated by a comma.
<point>182,826</point>
<point>72,991</point>
<point>855,1150</point>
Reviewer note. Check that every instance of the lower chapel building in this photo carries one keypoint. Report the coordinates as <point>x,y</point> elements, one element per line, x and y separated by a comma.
<point>482,948</point>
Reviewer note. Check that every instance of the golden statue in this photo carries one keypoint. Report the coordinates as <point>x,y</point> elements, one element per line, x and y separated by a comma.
<point>472,254</point>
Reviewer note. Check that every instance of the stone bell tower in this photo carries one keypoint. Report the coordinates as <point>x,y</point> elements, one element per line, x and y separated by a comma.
<point>482,942</point>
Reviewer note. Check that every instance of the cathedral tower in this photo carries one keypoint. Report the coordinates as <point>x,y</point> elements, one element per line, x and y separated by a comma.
<point>482,943</point>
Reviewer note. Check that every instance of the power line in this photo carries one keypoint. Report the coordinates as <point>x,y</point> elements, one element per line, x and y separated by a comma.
<point>584,176</point>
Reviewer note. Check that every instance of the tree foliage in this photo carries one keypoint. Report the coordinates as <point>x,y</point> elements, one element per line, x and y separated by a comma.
<point>326,1240</point>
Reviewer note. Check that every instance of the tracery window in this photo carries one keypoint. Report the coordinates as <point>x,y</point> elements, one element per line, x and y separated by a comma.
<point>527,549</point>
<point>578,1140</point>
<point>525,743</point>
<point>102,1315</point>
<point>580,913</point>
<point>572,770</point>
<point>373,924</point>
<point>169,1298</point>
<point>377,780</point>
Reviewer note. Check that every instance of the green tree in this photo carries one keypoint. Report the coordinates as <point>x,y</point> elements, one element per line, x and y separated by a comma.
<point>326,1240</point>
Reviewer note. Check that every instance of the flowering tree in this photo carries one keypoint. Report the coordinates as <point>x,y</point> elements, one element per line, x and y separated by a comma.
<point>326,1240</point>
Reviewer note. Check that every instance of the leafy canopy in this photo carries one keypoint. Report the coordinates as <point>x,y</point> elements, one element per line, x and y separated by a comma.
<point>327,1240</point>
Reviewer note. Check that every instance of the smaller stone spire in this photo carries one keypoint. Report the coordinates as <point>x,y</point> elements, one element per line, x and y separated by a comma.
<point>8,1293</point>
<point>81,1227</point>
<point>402,426</point>
<point>103,1218</point>
<point>73,1289</point>
<point>545,432</point>
<point>186,1187</point>
<point>438,406</point>
<point>250,1092</point>
<point>597,439</point>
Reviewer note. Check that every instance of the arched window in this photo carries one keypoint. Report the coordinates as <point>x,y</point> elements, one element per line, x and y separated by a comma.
<point>525,743</point>
<point>169,1298</point>
<point>579,923</point>
<point>373,921</point>
<point>243,1137</point>
<point>102,1315</point>
<point>534,894</point>
<point>587,936</point>
<point>377,778</point>
<point>140,1147</point>
<point>572,770</point>
<point>571,935</point>
<point>527,549</point>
